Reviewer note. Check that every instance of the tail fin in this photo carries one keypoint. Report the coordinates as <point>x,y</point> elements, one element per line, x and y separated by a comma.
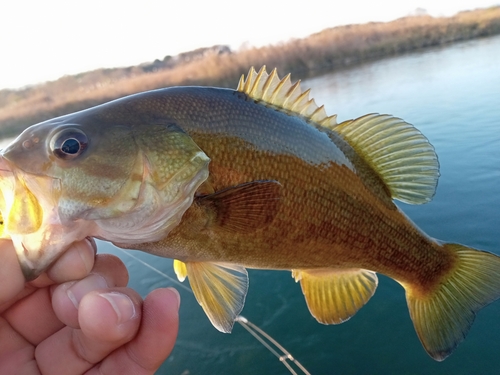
<point>443,317</point>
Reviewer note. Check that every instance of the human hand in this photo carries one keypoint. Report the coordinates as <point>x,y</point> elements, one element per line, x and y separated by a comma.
<point>94,326</point>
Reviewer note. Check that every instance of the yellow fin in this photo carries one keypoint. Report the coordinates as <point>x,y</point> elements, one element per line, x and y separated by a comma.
<point>335,295</point>
<point>180,270</point>
<point>443,316</point>
<point>281,93</point>
<point>220,289</point>
<point>246,207</point>
<point>401,155</point>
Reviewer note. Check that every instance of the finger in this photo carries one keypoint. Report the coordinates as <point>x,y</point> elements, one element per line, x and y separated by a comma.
<point>108,319</point>
<point>32,317</point>
<point>11,276</point>
<point>16,354</point>
<point>154,341</point>
<point>109,271</point>
<point>41,314</point>
<point>74,264</point>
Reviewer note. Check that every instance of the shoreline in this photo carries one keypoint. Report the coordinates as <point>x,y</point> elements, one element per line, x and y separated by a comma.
<point>328,50</point>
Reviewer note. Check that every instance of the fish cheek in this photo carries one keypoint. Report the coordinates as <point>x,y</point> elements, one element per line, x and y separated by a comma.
<point>90,184</point>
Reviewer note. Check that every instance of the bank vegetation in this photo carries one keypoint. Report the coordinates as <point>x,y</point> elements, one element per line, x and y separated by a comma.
<point>330,49</point>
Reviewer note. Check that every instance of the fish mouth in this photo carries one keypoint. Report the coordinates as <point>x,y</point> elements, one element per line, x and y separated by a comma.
<point>28,219</point>
<point>4,164</point>
<point>6,185</point>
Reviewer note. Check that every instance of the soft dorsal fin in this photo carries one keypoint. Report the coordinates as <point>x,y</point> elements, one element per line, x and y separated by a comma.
<point>398,152</point>
<point>282,94</point>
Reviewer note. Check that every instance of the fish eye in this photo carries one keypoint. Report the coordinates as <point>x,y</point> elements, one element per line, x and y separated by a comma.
<point>69,143</point>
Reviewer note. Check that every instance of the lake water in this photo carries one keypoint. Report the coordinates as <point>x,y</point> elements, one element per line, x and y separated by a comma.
<point>453,96</point>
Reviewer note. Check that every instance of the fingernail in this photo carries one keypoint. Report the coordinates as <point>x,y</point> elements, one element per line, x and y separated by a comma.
<point>80,288</point>
<point>88,255</point>
<point>92,243</point>
<point>122,304</point>
<point>176,292</point>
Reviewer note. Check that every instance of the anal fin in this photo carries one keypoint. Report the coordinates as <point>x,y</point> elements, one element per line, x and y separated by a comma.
<point>335,295</point>
<point>219,288</point>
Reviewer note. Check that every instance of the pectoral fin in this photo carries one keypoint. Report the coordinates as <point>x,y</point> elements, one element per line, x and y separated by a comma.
<point>244,208</point>
<point>220,289</point>
<point>335,295</point>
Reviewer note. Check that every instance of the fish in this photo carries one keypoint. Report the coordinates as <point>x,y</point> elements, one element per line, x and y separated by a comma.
<point>222,180</point>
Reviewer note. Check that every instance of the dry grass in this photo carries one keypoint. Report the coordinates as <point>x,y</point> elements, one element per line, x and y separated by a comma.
<point>327,50</point>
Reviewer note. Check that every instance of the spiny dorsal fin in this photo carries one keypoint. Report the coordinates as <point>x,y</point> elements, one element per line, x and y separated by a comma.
<point>397,152</point>
<point>283,94</point>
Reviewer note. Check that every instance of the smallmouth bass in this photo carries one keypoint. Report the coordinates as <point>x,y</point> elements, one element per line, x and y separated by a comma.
<point>256,177</point>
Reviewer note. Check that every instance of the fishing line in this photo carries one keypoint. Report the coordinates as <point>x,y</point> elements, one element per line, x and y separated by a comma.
<point>181,285</point>
<point>253,329</point>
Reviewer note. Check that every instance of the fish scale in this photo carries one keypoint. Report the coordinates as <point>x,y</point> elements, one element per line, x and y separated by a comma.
<point>314,220</point>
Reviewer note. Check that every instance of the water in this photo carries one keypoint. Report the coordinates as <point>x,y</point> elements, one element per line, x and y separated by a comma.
<point>453,96</point>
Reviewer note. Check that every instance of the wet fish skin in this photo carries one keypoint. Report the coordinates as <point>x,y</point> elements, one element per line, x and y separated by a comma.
<point>113,188</point>
<point>286,188</point>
